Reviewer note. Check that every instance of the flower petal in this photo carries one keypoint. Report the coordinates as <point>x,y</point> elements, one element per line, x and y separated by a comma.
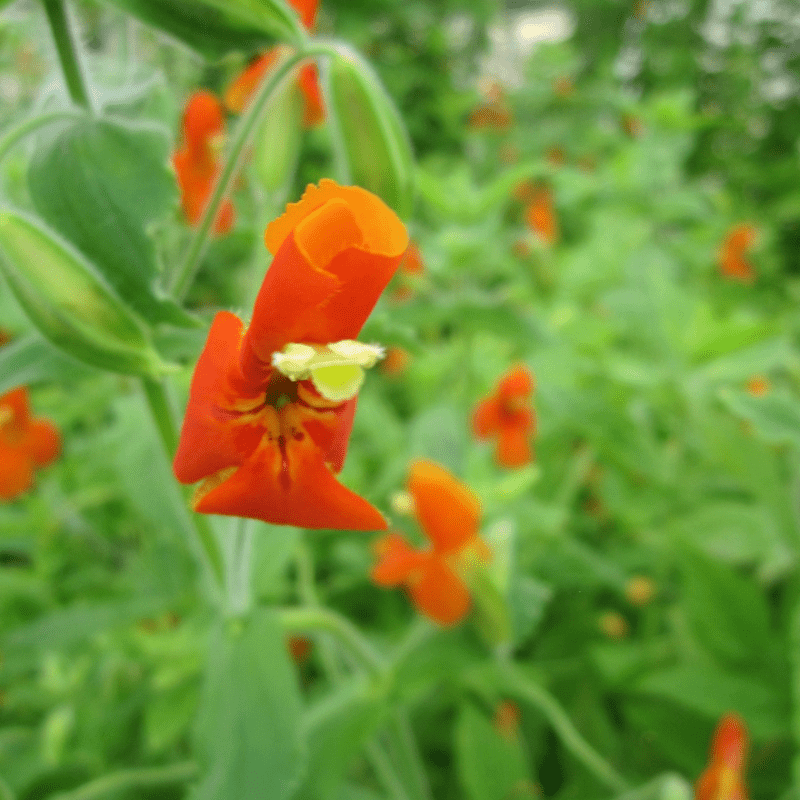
<point>314,110</point>
<point>43,442</point>
<point>440,594</point>
<point>447,510</point>
<point>729,745</point>
<point>16,472</point>
<point>287,483</point>
<point>517,382</point>
<point>486,418</point>
<point>513,446</point>
<point>238,94</point>
<point>397,561</point>
<point>209,441</point>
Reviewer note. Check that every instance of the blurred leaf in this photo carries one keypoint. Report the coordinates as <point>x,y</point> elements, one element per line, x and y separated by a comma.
<point>273,549</point>
<point>726,610</point>
<point>101,184</point>
<point>32,360</point>
<point>774,416</point>
<point>440,434</point>
<point>337,728</point>
<point>216,27</point>
<point>247,736</point>
<point>711,693</point>
<point>68,301</point>
<point>491,765</point>
<point>168,715</point>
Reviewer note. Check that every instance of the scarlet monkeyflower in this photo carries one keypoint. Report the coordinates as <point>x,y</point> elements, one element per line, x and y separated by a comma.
<point>26,443</point>
<point>197,163</point>
<point>448,513</point>
<point>731,255</point>
<point>723,779</point>
<point>541,216</point>
<point>244,85</point>
<point>395,362</point>
<point>758,385</point>
<point>507,415</point>
<point>271,406</point>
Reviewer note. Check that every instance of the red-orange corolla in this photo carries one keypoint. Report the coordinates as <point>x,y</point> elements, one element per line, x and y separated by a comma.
<point>244,85</point>
<point>271,405</point>
<point>26,443</point>
<point>723,779</point>
<point>506,415</point>
<point>448,514</point>
<point>197,163</point>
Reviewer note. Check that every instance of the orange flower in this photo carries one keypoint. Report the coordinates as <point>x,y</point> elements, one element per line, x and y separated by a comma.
<point>411,265</point>
<point>25,443</point>
<point>564,86</point>
<point>395,361</point>
<point>448,513</point>
<point>494,115</point>
<point>632,125</point>
<point>507,719</point>
<point>299,648</point>
<point>556,156</point>
<point>271,406</point>
<point>723,779</point>
<point>730,257</point>
<point>507,415</point>
<point>244,86</point>
<point>541,217</point>
<point>5,337</point>
<point>197,164</point>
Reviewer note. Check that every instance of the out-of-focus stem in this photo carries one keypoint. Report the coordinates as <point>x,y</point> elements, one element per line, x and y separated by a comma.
<point>67,53</point>
<point>130,779</point>
<point>28,126</point>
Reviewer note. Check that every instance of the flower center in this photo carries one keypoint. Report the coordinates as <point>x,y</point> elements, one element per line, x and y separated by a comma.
<point>336,370</point>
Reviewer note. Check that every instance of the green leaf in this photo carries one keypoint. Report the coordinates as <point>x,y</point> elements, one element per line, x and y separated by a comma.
<point>168,714</point>
<point>371,142</point>
<point>32,360</point>
<point>68,301</point>
<point>101,185</point>
<point>711,692</point>
<point>775,416</point>
<point>217,27</point>
<point>247,737</point>
<point>338,727</point>
<point>491,765</point>
<point>727,611</point>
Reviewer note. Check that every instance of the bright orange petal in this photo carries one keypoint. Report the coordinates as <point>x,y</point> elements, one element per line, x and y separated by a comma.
<point>447,510</point>
<point>16,472</point>
<point>43,442</point>
<point>729,745</point>
<point>307,9</point>
<point>486,418</point>
<point>513,446</point>
<point>287,483</point>
<point>517,382</point>
<point>314,109</point>
<point>241,90</point>
<point>440,594</point>
<point>397,563</point>
<point>202,120</point>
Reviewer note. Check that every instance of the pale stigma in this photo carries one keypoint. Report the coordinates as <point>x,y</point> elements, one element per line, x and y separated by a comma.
<point>336,369</point>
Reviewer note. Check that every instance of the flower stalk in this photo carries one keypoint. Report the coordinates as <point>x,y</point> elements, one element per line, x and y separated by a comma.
<point>67,53</point>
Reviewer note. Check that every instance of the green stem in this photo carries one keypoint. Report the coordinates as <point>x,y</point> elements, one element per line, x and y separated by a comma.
<point>6,792</point>
<point>164,415</point>
<point>28,126</point>
<point>130,779</point>
<point>569,735</point>
<point>184,276</point>
<point>67,53</point>
<point>306,620</point>
<point>384,769</point>
<point>407,753</point>
<point>240,568</point>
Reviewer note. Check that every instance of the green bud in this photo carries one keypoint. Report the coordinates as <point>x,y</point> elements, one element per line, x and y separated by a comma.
<point>277,142</point>
<point>371,142</point>
<point>68,301</point>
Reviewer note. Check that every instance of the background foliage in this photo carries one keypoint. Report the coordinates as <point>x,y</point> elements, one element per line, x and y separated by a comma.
<point>675,120</point>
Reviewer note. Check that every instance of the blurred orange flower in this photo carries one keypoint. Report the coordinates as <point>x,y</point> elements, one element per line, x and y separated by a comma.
<point>556,156</point>
<point>564,86</point>
<point>448,513</point>
<point>395,362</point>
<point>493,112</point>
<point>731,254</point>
<point>723,779</point>
<point>197,163</point>
<point>507,719</point>
<point>541,216</point>
<point>271,406</point>
<point>245,84</point>
<point>758,386</point>
<point>411,265</point>
<point>506,414</point>
<point>26,443</point>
